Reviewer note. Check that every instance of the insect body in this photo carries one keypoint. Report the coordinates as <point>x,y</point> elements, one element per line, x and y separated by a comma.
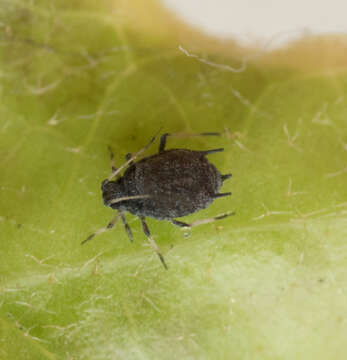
<point>173,183</point>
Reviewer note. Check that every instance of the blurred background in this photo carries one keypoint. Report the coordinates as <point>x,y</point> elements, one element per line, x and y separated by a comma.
<point>256,22</point>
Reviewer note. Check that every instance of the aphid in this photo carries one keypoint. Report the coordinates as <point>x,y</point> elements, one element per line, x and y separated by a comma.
<point>165,186</point>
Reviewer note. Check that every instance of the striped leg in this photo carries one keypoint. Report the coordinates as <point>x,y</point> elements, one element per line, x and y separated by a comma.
<point>163,139</point>
<point>110,225</point>
<point>151,241</point>
<point>126,225</point>
<point>113,167</point>
<point>201,222</point>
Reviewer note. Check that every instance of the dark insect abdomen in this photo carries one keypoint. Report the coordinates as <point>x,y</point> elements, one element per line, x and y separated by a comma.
<point>179,182</point>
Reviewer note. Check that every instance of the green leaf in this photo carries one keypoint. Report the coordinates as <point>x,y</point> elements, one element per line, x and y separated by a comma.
<point>267,283</point>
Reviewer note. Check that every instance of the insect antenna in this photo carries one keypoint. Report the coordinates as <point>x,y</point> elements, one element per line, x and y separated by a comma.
<point>124,198</point>
<point>133,157</point>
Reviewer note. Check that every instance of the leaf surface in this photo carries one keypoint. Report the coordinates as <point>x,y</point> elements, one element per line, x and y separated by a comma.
<point>269,282</point>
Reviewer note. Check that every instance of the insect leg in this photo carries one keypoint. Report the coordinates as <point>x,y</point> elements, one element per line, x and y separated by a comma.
<point>221,195</point>
<point>164,137</point>
<point>110,225</point>
<point>151,241</point>
<point>126,225</point>
<point>162,144</point>
<point>113,167</point>
<point>226,176</point>
<point>179,223</point>
<point>212,151</point>
<point>201,222</point>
